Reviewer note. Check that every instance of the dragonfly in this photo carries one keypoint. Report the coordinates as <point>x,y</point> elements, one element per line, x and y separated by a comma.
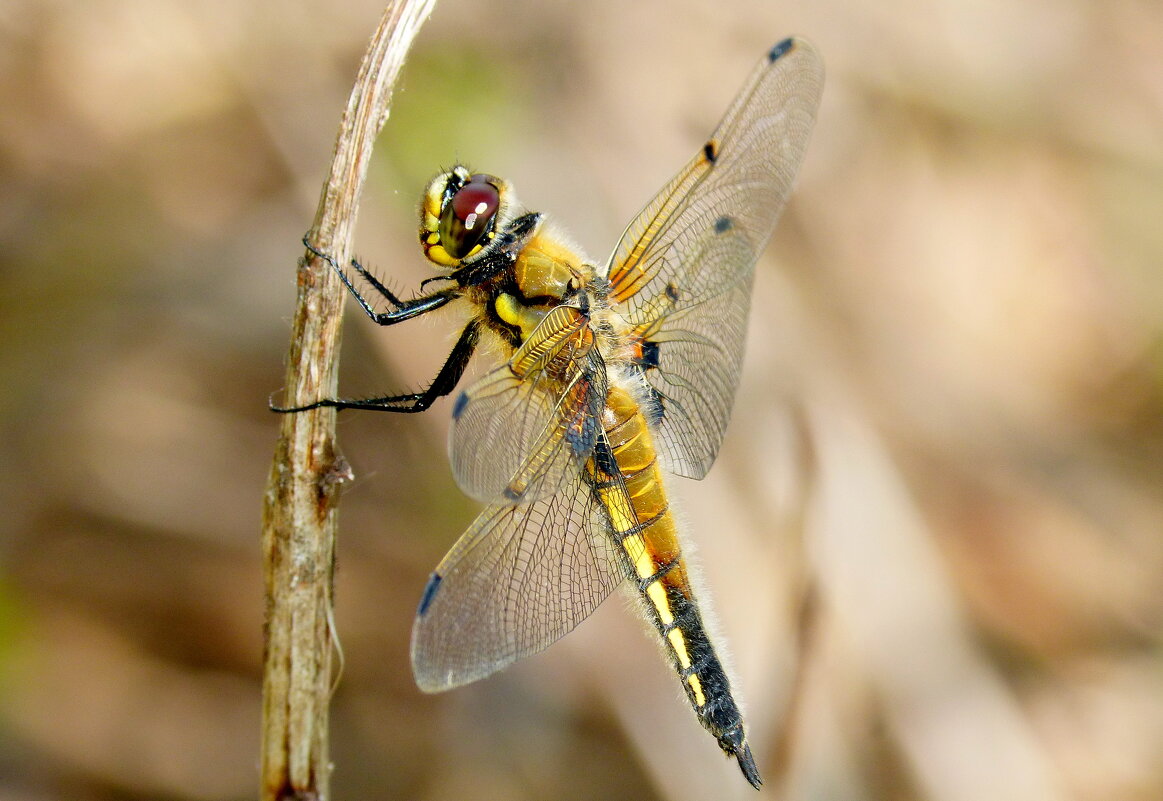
<point>613,374</point>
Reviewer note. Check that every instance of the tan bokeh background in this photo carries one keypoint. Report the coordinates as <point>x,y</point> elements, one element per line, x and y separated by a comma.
<point>949,428</point>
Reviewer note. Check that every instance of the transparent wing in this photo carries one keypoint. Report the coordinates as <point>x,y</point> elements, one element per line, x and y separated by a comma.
<point>683,267</point>
<point>522,429</point>
<point>519,579</point>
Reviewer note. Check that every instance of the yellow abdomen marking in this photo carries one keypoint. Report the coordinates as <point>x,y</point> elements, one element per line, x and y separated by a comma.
<point>641,518</point>
<point>657,596</point>
<point>697,688</point>
<point>635,548</point>
<point>679,645</point>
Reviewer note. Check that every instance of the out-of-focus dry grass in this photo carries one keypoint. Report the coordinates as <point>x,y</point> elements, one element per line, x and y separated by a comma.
<point>949,424</point>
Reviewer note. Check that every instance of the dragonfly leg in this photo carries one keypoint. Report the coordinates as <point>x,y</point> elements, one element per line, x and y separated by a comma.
<point>403,309</point>
<point>411,402</point>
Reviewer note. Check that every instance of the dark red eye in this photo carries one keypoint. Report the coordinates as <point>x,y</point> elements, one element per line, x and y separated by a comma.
<point>475,202</point>
<point>468,216</point>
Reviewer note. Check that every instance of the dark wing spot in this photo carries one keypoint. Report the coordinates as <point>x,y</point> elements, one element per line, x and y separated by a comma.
<point>723,224</point>
<point>429,593</point>
<point>672,291</point>
<point>650,355</point>
<point>458,407</point>
<point>781,49</point>
<point>711,150</point>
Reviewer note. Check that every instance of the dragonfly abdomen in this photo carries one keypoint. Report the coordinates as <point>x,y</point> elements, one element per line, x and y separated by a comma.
<point>645,529</point>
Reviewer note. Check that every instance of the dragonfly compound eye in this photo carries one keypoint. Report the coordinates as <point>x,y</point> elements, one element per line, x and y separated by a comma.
<point>468,217</point>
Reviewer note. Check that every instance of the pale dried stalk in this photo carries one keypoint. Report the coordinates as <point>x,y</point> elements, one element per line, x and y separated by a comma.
<point>299,520</point>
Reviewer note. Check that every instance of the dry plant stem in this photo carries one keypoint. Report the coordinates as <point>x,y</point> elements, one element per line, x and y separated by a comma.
<point>299,520</point>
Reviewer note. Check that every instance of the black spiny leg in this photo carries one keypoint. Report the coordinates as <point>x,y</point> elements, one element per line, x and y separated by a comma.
<point>443,384</point>
<point>404,309</point>
<point>445,380</point>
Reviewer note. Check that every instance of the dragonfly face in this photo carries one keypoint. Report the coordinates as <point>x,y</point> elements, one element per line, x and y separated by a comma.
<point>459,215</point>
<point>615,373</point>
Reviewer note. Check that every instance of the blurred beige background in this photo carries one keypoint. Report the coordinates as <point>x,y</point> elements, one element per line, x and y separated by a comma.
<point>948,431</point>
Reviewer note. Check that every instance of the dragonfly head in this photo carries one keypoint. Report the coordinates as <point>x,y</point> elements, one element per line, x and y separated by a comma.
<point>460,215</point>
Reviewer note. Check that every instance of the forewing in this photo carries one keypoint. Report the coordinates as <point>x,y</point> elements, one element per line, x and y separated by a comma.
<point>683,267</point>
<point>521,430</point>
<point>519,579</point>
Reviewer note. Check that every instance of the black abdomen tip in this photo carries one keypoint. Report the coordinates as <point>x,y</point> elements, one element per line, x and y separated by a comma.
<point>781,48</point>
<point>734,742</point>
<point>747,765</point>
